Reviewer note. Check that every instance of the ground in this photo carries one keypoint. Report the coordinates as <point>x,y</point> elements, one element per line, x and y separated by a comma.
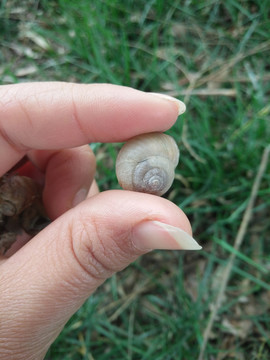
<point>214,56</point>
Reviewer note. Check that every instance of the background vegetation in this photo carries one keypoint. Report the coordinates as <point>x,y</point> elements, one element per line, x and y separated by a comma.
<point>214,55</point>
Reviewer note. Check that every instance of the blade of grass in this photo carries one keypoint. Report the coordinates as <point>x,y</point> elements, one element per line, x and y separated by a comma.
<point>240,255</point>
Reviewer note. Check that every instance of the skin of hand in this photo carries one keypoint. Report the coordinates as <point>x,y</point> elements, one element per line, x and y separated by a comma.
<point>92,235</point>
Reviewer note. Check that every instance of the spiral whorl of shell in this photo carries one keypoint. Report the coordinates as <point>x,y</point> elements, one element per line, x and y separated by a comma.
<point>146,163</point>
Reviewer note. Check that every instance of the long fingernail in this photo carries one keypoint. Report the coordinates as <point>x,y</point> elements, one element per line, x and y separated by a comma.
<point>79,196</point>
<point>150,235</point>
<point>180,105</point>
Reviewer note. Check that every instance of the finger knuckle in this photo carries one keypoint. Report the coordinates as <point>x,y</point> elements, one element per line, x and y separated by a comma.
<point>88,251</point>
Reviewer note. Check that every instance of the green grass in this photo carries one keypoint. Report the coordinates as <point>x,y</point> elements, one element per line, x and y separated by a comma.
<point>159,307</point>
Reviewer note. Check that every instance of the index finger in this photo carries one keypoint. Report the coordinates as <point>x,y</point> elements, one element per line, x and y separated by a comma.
<point>57,115</point>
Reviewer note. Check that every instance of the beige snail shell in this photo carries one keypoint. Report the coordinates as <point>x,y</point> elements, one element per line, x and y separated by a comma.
<point>147,162</point>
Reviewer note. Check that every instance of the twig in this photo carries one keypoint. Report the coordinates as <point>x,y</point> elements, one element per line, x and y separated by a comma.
<point>188,147</point>
<point>238,241</point>
<point>185,126</point>
<point>204,92</point>
<point>220,80</point>
<point>217,73</point>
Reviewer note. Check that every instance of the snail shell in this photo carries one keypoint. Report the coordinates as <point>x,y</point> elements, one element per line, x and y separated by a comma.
<point>146,163</point>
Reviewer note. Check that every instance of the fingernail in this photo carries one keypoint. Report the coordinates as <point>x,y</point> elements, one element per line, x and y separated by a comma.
<point>157,235</point>
<point>180,105</point>
<point>79,197</point>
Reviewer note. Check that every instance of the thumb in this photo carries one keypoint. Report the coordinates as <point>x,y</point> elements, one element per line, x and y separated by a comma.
<point>48,279</point>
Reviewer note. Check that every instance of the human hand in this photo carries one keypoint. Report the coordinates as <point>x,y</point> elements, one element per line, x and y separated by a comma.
<point>92,235</point>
